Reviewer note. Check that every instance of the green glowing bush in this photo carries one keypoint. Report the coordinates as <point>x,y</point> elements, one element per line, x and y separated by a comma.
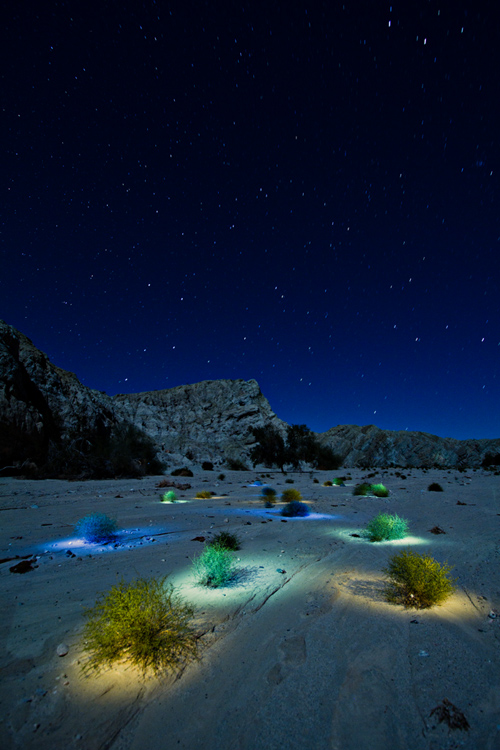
<point>96,527</point>
<point>435,487</point>
<point>226,540</point>
<point>386,527</point>
<point>144,622</point>
<point>295,508</point>
<point>169,497</point>
<point>290,494</point>
<point>417,580</point>
<point>339,482</point>
<point>214,567</point>
<point>203,495</point>
<point>379,490</point>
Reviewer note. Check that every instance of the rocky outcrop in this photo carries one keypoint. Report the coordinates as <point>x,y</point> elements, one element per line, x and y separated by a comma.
<point>210,420</point>
<point>370,446</point>
<point>46,415</point>
<point>42,406</point>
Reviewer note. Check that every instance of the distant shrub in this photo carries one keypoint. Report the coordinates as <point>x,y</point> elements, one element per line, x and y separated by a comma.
<point>169,497</point>
<point>290,494</point>
<point>221,477</point>
<point>236,464</point>
<point>207,466</point>
<point>417,580</point>
<point>386,527</point>
<point>339,481</point>
<point>295,508</point>
<point>435,487</point>
<point>328,483</point>
<point>316,481</point>
<point>361,489</point>
<point>144,622</point>
<point>184,472</point>
<point>214,567</point>
<point>226,540</point>
<point>379,490</point>
<point>289,481</point>
<point>96,527</point>
<point>203,495</point>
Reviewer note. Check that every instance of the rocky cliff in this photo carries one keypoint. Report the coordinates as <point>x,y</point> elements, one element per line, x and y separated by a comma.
<point>46,415</point>
<point>370,446</point>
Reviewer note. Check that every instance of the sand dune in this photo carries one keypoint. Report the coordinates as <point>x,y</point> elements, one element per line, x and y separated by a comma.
<point>310,658</point>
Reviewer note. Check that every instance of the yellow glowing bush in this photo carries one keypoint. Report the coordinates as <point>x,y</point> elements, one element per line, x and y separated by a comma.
<point>417,580</point>
<point>144,622</point>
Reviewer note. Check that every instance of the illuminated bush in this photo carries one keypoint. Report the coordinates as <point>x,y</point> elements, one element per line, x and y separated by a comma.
<point>379,490</point>
<point>290,494</point>
<point>203,495</point>
<point>328,483</point>
<point>169,497</point>
<point>339,482</point>
<point>269,496</point>
<point>386,527</point>
<point>144,622</point>
<point>96,527</point>
<point>435,487</point>
<point>295,508</point>
<point>417,580</point>
<point>214,567</point>
<point>226,540</point>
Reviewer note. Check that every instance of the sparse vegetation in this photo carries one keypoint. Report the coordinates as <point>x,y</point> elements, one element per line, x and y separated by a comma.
<point>226,540</point>
<point>379,490</point>
<point>435,487</point>
<point>96,527</point>
<point>214,567</point>
<point>385,527</point>
<point>300,445</point>
<point>236,464</point>
<point>417,580</point>
<point>290,494</point>
<point>361,489</point>
<point>295,508</point>
<point>203,495</point>
<point>144,622</point>
<point>169,497</point>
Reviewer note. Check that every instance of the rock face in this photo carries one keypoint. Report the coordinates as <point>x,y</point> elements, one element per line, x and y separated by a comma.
<point>45,411</point>
<point>42,406</point>
<point>371,446</point>
<point>212,419</point>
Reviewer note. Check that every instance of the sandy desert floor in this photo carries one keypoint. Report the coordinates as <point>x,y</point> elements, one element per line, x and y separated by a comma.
<point>310,658</point>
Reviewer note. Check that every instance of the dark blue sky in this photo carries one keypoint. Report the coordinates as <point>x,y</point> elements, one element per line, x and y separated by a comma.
<point>302,193</point>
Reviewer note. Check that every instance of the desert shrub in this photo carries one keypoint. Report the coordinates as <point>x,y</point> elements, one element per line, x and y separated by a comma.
<point>96,527</point>
<point>385,527</point>
<point>417,580</point>
<point>144,622</point>
<point>435,487</point>
<point>295,508</point>
<point>316,481</point>
<point>226,540</point>
<point>269,496</point>
<point>214,567</point>
<point>361,489</point>
<point>379,490</point>
<point>328,483</point>
<point>290,494</point>
<point>207,466</point>
<point>184,472</point>
<point>339,481</point>
<point>289,481</point>
<point>203,495</point>
<point>169,497</point>
<point>221,477</point>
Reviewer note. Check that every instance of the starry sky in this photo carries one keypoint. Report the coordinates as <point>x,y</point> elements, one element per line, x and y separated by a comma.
<point>302,193</point>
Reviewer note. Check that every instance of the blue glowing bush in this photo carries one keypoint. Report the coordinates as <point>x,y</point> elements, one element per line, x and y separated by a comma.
<point>385,527</point>
<point>96,527</point>
<point>295,508</point>
<point>269,496</point>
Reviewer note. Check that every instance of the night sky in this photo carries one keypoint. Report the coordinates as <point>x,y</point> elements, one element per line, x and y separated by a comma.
<point>302,193</point>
